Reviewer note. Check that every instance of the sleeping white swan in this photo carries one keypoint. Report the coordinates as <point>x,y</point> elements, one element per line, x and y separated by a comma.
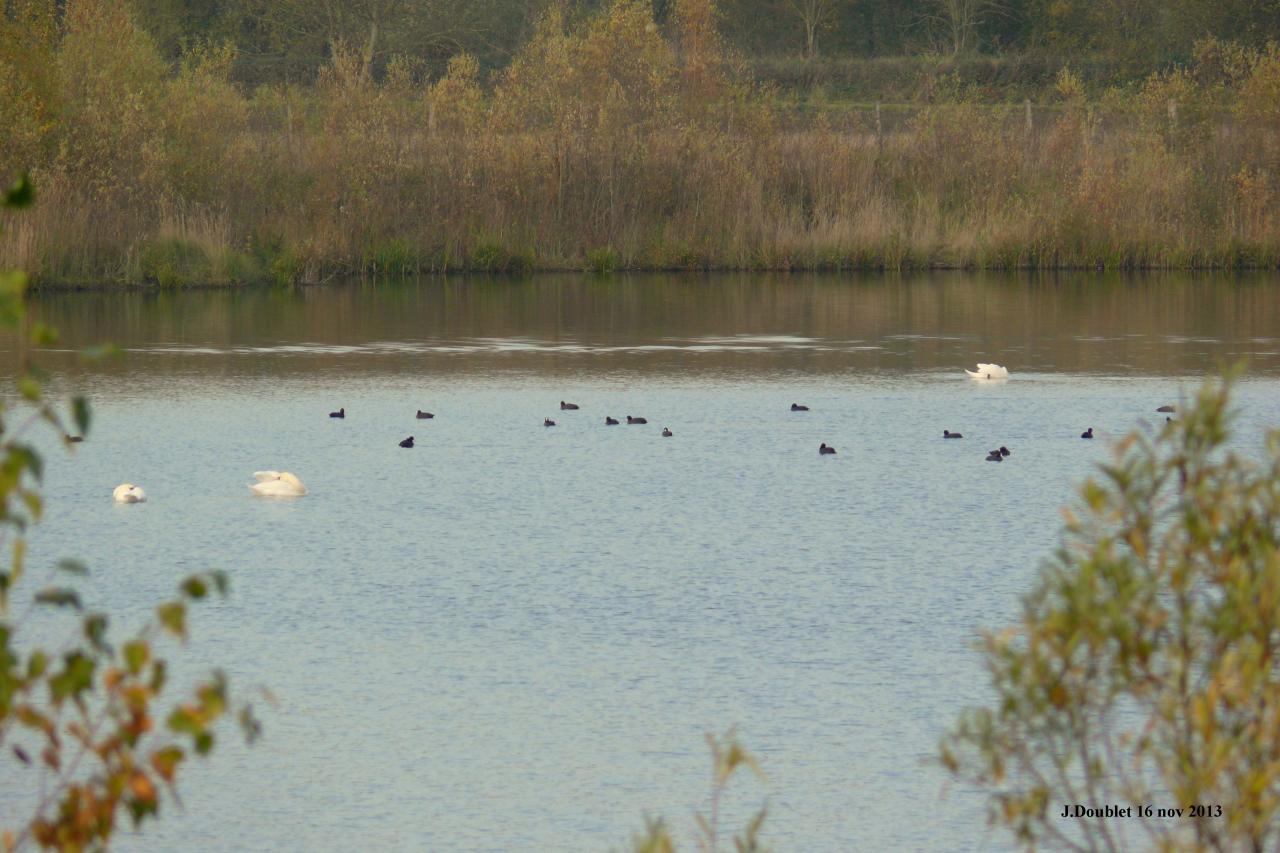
<point>277,484</point>
<point>988,371</point>
<point>128,493</point>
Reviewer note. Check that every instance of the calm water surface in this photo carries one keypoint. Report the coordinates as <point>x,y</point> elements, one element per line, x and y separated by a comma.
<point>513,637</point>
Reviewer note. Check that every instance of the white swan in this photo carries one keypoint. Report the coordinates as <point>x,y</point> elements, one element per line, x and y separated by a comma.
<point>988,371</point>
<point>277,484</point>
<point>128,493</point>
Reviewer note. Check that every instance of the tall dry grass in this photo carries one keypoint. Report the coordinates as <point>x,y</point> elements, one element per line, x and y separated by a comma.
<point>615,144</point>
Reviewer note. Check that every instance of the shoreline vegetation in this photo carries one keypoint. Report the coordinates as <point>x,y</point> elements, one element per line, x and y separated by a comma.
<point>608,143</point>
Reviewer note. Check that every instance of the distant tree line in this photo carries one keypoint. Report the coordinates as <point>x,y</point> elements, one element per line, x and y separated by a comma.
<point>626,138</point>
<point>1134,32</point>
<point>290,40</point>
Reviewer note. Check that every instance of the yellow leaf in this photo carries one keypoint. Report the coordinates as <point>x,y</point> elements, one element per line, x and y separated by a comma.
<point>165,761</point>
<point>141,787</point>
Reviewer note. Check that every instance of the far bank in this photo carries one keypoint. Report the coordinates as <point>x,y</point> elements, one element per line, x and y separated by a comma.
<point>612,145</point>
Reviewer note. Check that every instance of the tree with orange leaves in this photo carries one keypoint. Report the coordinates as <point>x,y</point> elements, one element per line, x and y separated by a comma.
<point>88,723</point>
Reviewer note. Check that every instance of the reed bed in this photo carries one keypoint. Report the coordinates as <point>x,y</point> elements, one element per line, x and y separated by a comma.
<point>613,145</point>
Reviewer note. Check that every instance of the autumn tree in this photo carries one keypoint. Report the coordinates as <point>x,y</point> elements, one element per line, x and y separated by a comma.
<point>1142,671</point>
<point>958,21</point>
<point>28,83</point>
<point>84,722</point>
<point>815,16</point>
<point>309,30</point>
<point>110,84</point>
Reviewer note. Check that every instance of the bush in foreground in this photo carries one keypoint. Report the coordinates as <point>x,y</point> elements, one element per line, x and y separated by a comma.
<point>86,721</point>
<point>1143,670</point>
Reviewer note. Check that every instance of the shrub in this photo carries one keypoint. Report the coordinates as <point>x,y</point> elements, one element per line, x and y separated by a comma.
<point>394,257</point>
<point>286,267</point>
<point>173,263</point>
<point>84,719</point>
<point>602,261</point>
<point>496,258</point>
<point>1142,670</point>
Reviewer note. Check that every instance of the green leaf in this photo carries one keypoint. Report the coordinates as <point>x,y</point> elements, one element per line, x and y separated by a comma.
<point>182,721</point>
<point>173,617</point>
<point>221,582</point>
<point>18,563</point>
<point>80,414</point>
<point>136,654</point>
<point>214,696</point>
<point>75,678</point>
<point>140,810</point>
<point>204,742</point>
<point>37,664</point>
<point>166,760</point>
<point>194,587</point>
<point>59,597</point>
<point>159,674</point>
<point>44,335</point>
<point>95,630</point>
<point>73,567</point>
<point>24,457</point>
<point>21,194</point>
<point>29,388</point>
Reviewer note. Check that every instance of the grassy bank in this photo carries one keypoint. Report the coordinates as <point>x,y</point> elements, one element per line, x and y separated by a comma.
<point>612,145</point>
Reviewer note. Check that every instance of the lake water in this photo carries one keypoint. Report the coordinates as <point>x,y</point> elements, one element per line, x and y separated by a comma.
<point>514,638</point>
